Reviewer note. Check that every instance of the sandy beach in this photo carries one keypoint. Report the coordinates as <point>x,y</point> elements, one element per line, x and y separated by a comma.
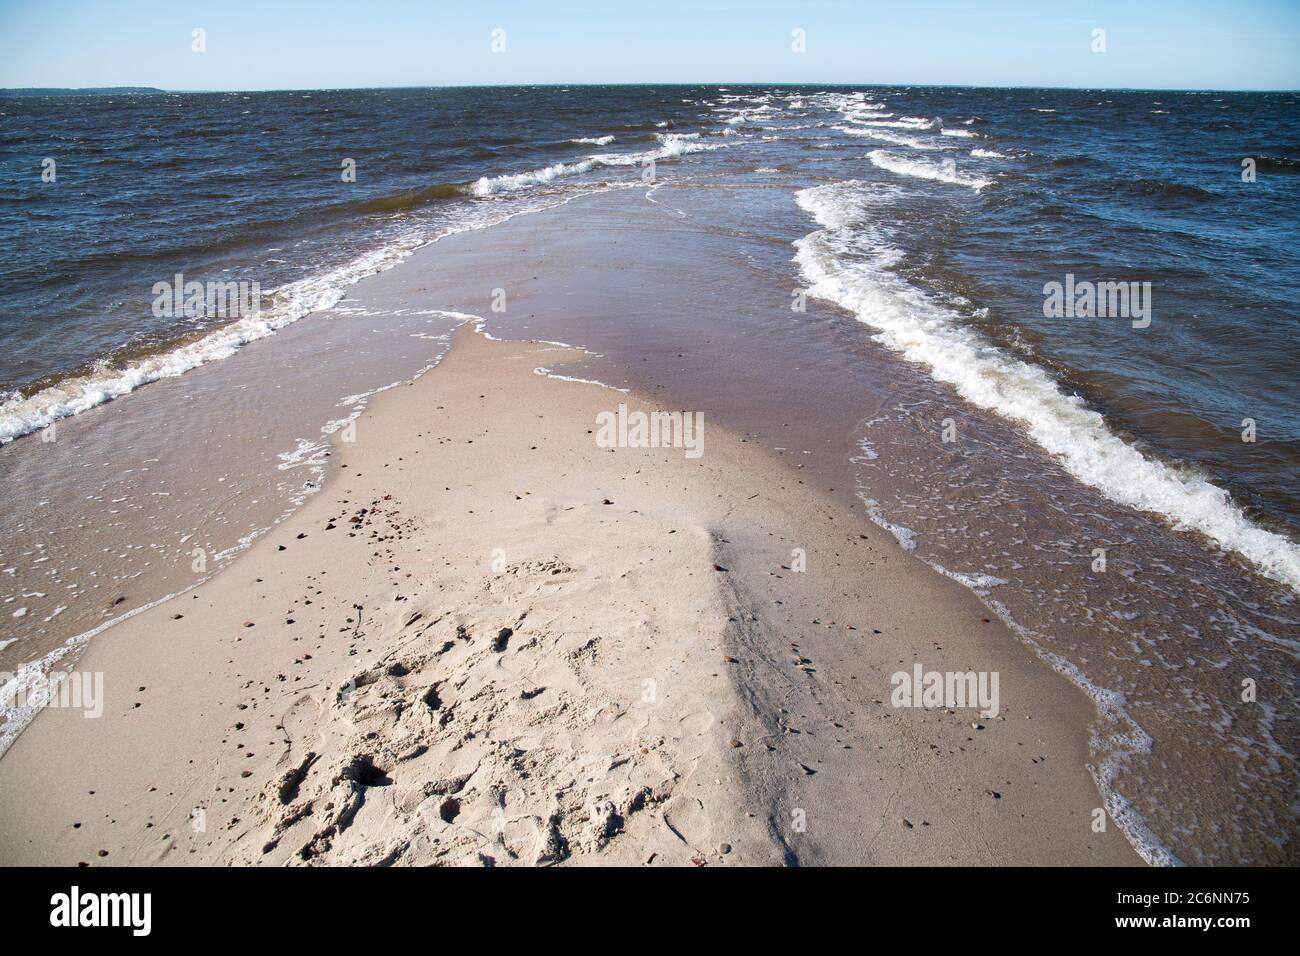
<point>490,641</point>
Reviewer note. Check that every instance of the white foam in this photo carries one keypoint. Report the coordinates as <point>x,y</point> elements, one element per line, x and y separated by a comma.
<point>1115,739</point>
<point>289,303</point>
<point>593,140</point>
<point>19,416</point>
<point>1116,736</point>
<point>904,535</point>
<point>543,370</point>
<point>491,185</point>
<point>979,583</point>
<point>896,139</point>
<point>945,172</point>
<point>895,124</point>
<point>927,333</point>
<point>671,145</point>
<point>987,154</point>
<point>32,675</point>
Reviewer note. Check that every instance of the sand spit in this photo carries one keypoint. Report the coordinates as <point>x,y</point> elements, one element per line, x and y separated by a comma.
<point>489,641</point>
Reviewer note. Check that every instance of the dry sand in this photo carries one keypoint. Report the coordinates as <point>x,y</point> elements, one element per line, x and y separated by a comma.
<point>489,642</point>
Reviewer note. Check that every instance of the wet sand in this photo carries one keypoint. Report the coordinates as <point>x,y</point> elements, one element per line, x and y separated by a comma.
<point>489,641</point>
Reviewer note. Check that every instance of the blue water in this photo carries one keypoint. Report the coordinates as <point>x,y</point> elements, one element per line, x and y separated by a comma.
<point>1135,186</point>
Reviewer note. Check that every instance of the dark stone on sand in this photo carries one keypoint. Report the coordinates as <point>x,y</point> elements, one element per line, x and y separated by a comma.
<point>502,639</point>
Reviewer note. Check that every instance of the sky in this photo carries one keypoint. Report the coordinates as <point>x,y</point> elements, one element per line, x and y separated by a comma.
<point>291,44</point>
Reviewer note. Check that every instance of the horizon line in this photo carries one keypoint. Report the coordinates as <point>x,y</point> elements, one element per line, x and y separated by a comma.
<point>728,83</point>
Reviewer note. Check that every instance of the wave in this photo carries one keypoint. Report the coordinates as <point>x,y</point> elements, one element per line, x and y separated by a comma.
<point>945,172</point>
<point>910,322</point>
<point>253,231</point>
<point>649,124</point>
<point>751,118</point>
<point>22,414</point>
<point>412,199</point>
<point>1065,162</point>
<point>30,677</point>
<point>1117,737</point>
<point>1284,164</point>
<point>907,122</point>
<point>593,140</point>
<point>671,146</point>
<point>72,395</point>
<point>987,154</point>
<point>885,136</point>
<point>513,182</point>
<point>1165,189</point>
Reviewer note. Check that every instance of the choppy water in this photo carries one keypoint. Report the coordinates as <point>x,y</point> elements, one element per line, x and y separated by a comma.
<point>934,217</point>
<point>982,195</point>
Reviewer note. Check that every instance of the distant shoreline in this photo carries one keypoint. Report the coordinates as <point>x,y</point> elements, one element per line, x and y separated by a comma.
<point>81,91</point>
<point>740,84</point>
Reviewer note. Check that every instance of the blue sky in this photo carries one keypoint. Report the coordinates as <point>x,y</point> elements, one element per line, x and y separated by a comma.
<point>288,44</point>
